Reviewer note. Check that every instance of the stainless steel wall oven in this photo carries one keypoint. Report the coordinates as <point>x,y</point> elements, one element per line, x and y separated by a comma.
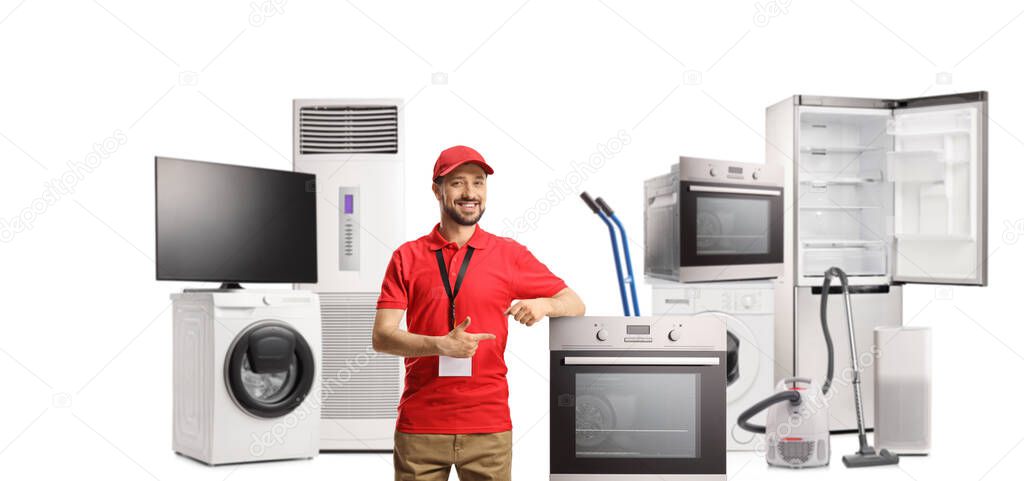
<point>710,220</point>
<point>638,398</point>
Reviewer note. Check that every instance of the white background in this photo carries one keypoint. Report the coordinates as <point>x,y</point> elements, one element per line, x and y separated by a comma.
<point>85,346</point>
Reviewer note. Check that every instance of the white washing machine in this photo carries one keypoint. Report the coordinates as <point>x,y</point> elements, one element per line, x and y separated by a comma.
<point>246,375</point>
<point>749,310</point>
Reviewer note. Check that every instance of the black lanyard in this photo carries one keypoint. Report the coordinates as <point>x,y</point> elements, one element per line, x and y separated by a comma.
<point>458,282</point>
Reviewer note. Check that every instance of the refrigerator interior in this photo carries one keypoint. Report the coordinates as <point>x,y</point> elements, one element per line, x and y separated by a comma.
<point>844,194</point>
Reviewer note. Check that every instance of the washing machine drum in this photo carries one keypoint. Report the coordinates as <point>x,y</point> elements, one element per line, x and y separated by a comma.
<point>732,358</point>
<point>269,369</point>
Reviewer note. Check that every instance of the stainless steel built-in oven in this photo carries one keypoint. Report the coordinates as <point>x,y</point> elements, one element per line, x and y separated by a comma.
<point>711,220</point>
<point>638,398</point>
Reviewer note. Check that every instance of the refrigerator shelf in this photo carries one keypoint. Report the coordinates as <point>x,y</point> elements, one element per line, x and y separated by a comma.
<point>730,236</point>
<point>838,149</point>
<point>911,125</point>
<point>841,243</point>
<point>838,207</point>
<point>848,180</point>
<point>922,166</point>
<point>925,155</point>
<point>934,237</point>
<point>931,133</point>
<point>855,260</point>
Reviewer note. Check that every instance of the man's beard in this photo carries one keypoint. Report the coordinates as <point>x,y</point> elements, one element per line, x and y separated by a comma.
<point>461,219</point>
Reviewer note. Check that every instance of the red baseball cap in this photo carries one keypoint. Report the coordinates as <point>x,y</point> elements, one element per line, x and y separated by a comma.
<point>453,157</point>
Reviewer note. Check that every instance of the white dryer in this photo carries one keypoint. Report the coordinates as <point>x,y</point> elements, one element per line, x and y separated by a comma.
<point>246,375</point>
<point>749,312</point>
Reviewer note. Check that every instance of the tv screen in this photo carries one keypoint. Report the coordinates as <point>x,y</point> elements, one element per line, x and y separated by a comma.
<point>228,223</point>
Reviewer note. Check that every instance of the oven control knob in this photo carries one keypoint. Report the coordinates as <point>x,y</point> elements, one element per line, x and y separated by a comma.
<point>713,172</point>
<point>673,335</point>
<point>756,175</point>
<point>602,335</point>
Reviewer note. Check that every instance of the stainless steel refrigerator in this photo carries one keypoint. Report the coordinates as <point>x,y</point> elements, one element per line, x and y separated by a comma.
<point>891,191</point>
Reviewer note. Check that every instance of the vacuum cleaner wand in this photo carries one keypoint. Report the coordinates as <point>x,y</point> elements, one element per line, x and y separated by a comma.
<point>866,455</point>
<point>615,249</point>
<point>625,252</point>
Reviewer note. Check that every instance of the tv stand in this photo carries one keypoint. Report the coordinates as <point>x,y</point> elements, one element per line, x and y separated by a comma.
<point>224,286</point>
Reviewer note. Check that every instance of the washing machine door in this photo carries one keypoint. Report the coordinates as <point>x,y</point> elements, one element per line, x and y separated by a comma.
<point>732,358</point>
<point>747,358</point>
<point>269,369</point>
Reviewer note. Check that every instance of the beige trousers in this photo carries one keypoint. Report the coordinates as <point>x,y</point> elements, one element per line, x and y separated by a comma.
<point>476,457</point>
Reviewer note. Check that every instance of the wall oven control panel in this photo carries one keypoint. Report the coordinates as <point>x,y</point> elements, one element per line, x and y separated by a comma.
<point>699,332</point>
<point>693,169</point>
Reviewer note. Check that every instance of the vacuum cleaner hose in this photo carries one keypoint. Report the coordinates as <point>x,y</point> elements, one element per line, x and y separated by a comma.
<point>825,287</point>
<point>743,421</point>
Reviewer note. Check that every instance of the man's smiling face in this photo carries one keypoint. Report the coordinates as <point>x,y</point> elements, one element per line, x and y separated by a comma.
<point>462,194</point>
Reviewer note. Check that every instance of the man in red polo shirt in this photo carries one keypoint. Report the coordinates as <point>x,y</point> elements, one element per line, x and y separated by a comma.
<point>456,286</point>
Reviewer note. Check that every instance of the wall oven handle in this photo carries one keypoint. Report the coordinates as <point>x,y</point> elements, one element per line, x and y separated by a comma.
<point>639,361</point>
<point>733,190</point>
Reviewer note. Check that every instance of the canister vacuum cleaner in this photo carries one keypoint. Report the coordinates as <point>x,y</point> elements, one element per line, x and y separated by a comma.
<point>796,431</point>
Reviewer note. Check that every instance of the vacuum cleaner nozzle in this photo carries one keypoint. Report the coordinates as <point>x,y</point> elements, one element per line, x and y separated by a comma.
<point>867,457</point>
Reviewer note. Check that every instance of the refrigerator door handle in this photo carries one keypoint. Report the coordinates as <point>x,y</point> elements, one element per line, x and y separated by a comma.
<point>734,190</point>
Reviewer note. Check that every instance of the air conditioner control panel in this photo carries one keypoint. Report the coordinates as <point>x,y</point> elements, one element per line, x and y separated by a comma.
<point>348,225</point>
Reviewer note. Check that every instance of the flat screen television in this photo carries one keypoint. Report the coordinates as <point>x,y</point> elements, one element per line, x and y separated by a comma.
<point>232,224</point>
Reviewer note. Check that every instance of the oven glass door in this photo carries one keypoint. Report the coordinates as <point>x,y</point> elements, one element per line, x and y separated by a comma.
<point>728,225</point>
<point>633,412</point>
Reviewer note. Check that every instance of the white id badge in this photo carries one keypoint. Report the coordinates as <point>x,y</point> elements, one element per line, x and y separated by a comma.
<point>454,366</point>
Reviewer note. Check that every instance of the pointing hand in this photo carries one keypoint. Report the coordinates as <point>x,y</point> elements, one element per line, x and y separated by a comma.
<point>459,343</point>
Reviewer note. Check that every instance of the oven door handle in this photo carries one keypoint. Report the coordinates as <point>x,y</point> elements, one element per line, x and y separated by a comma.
<point>639,361</point>
<point>734,190</point>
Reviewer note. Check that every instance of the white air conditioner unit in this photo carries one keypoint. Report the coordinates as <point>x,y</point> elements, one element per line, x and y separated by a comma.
<point>354,146</point>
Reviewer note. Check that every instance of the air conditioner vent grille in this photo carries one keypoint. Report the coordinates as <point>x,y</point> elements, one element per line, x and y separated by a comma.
<point>348,129</point>
<point>357,382</point>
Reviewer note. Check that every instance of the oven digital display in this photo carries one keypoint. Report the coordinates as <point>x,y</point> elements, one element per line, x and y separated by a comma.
<point>638,330</point>
<point>736,170</point>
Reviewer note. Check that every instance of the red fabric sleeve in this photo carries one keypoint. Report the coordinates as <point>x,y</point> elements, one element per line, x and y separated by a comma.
<point>394,293</point>
<point>533,279</point>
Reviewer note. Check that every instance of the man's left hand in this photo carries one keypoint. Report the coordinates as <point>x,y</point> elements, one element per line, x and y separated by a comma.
<point>529,311</point>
